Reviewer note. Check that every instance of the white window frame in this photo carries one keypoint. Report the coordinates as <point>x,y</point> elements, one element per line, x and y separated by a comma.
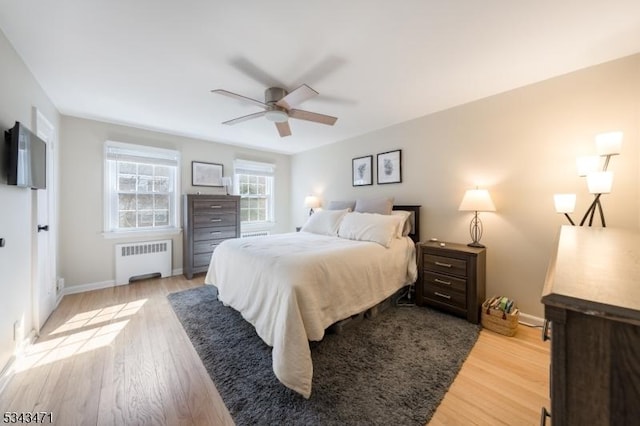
<point>114,151</point>
<point>256,168</point>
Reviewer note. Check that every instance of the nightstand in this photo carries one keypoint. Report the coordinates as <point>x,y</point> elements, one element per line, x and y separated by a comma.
<point>451,277</point>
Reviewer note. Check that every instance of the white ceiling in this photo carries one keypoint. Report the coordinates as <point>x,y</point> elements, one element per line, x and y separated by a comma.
<point>375,63</point>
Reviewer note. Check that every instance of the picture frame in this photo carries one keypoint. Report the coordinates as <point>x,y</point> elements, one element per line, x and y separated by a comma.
<point>389,167</point>
<point>206,174</point>
<point>362,171</point>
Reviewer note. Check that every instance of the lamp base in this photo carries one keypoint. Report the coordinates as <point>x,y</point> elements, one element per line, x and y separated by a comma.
<point>476,244</point>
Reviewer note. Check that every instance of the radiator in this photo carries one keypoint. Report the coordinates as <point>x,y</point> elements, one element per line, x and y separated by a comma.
<point>142,259</point>
<point>254,234</point>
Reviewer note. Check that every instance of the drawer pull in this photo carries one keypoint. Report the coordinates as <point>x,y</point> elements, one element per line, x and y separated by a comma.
<point>215,232</point>
<point>216,220</point>
<point>216,207</point>
<point>438,280</point>
<point>543,416</point>
<point>545,331</point>
<point>446,265</point>
<point>445,296</point>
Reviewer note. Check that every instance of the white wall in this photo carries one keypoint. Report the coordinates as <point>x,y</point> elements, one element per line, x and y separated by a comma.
<point>87,258</point>
<point>20,92</point>
<point>521,145</point>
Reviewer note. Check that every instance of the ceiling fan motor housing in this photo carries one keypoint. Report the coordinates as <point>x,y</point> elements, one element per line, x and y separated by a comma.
<point>273,95</point>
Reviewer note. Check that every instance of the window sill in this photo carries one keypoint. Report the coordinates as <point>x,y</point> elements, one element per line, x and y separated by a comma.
<point>141,234</point>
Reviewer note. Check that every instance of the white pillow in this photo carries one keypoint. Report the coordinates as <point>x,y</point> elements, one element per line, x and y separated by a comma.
<point>378,228</point>
<point>324,222</point>
<point>404,228</point>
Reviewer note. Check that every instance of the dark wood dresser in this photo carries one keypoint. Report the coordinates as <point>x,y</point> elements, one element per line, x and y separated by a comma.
<point>452,277</point>
<point>207,221</point>
<point>591,301</point>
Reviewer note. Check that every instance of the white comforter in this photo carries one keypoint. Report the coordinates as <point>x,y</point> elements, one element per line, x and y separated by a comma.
<point>291,287</point>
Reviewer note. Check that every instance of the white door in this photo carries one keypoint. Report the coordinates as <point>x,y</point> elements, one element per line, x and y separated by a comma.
<point>44,295</point>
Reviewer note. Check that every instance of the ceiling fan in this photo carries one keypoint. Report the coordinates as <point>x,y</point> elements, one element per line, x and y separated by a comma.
<point>278,107</point>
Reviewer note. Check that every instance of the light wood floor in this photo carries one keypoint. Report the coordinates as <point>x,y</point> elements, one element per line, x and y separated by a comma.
<point>119,356</point>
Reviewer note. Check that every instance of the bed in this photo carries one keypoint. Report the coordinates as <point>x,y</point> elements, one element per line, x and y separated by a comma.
<point>292,287</point>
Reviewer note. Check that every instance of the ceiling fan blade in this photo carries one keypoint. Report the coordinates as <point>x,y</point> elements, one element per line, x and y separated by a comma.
<point>245,118</point>
<point>313,116</point>
<point>296,97</point>
<point>239,97</point>
<point>283,129</point>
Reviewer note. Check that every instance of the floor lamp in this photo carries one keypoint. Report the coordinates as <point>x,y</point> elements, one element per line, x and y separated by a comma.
<point>598,181</point>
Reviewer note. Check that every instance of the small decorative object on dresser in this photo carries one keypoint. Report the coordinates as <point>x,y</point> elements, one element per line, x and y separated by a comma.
<point>207,221</point>
<point>452,277</point>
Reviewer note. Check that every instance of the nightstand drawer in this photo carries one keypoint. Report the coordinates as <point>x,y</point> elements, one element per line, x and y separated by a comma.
<point>447,265</point>
<point>449,297</point>
<point>445,282</point>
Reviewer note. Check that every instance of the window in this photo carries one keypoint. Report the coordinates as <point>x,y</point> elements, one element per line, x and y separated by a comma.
<point>141,188</point>
<point>254,183</point>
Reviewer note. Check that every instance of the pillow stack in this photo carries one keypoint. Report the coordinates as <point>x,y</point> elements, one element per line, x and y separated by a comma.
<point>361,220</point>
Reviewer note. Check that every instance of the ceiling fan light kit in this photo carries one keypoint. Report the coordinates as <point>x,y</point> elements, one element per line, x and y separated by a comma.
<point>278,107</point>
<point>276,115</point>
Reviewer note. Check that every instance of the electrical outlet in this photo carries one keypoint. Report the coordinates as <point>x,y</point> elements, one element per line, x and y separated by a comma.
<point>59,284</point>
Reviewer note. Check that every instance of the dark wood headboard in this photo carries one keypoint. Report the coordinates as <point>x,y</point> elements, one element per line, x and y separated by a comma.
<point>415,217</point>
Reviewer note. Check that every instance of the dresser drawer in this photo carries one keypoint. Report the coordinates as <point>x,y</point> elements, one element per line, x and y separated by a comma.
<point>214,219</point>
<point>446,296</point>
<point>202,259</point>
<point>447,265</point>
<point>201,206</point>
<point>214,233</point>
<point>200,247</point>
<point>445,282</point>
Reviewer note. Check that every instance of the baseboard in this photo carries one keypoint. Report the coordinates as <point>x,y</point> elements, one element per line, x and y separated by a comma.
<point>88,287</point>
<point>102,284</point>
<point>8,371</point>
<point>530,320</point>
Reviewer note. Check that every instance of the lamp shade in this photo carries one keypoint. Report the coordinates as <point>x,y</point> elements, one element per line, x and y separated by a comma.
<point>600,182</point>
<point>477,200</point>
<point>587,164</point>
<point>565,203</point>
<point>609,143</point>
<point>311,202</point>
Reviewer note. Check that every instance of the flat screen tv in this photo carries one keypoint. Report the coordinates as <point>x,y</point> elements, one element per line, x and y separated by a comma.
<point>27,158</point>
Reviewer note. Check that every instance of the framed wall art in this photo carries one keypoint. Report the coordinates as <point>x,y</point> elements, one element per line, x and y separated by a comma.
<point>362,171</point>
<point>206,174</point>
<point>390,167</point>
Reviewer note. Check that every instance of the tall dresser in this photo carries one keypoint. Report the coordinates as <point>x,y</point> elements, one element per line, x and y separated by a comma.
<point>591,302</point>
<point>208,220</point>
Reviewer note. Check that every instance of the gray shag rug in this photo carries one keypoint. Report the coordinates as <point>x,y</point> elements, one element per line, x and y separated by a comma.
<point>391,369</point>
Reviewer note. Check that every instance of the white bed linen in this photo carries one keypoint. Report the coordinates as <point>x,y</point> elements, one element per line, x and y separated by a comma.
<point>291,287</point>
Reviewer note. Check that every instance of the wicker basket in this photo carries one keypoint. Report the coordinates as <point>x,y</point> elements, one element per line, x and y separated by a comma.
<point>499,321</point>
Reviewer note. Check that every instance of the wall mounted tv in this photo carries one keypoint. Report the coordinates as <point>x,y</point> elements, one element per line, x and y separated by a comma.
<point>27,158</point>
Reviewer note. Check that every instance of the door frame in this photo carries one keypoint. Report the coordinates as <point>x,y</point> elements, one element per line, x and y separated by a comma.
<point>47,132</point>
